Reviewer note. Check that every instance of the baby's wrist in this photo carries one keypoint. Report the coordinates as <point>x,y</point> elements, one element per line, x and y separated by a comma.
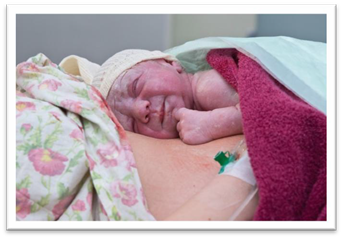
<point>211,127</point>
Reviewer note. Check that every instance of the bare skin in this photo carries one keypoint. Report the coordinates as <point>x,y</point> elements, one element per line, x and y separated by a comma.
<point>181,182</point>
<point>173,173</point>
<point>158,99</point>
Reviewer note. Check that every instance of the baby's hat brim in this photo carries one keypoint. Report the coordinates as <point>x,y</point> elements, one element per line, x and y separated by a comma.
<point>119,63</point>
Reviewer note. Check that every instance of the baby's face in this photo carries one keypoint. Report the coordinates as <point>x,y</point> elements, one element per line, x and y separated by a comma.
<point>145,97</point>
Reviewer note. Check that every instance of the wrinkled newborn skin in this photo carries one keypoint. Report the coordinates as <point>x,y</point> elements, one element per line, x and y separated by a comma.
<point>144,98</point>
<point>157,98</point>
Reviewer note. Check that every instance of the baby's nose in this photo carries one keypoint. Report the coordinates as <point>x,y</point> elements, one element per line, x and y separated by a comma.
<point>142,110</point>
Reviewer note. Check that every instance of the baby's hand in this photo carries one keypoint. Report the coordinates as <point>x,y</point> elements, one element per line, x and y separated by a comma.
<point>197,127</point>
<point>193,126</point>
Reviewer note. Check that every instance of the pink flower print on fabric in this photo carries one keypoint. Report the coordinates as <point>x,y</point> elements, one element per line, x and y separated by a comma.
<point>49,84</point>
<point>20,94</point>
<point>108,154</point>
<point>103,210</point>
<point>61,206</point>
<point>27,66</point>
<point>79,206</point>
<point>22,106</point>
<point>90,200</point>
<point>29,90</point>
<point>126,192</point>
<point>142,195</point>
<point>96,96</point>
<point>91,162</point>
<point>56,115</point>
<point>76,134</point>
<point>47,162</point>
<point>25,128</point>
<point>52,63</point>
<point>130,161</point>
<point>23,203</point>
<point>72,77</point>
<point>71,105</point>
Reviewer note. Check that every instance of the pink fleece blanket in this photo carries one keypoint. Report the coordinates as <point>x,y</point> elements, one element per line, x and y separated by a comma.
<point>286,140</point>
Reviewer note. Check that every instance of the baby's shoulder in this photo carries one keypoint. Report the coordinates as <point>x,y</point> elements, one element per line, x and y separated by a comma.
<point>212,91</point>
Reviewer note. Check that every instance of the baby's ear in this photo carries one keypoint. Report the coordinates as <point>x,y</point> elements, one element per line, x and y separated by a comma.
<point>174,64</point>
<point>177,66</point>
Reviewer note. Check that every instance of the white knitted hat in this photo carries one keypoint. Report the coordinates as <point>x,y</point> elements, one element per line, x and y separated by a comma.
<point>120,62</point>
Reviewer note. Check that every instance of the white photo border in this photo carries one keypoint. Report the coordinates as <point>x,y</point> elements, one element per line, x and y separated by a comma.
<point>329,10</point>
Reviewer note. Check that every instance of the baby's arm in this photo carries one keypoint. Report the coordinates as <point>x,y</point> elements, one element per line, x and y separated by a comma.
<point>197,127</point>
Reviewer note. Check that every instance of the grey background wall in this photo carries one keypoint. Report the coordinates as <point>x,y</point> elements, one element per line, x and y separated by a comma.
<point>94,37</point>
<point>97,37</point>
<point>190,27</point>
<point>306,27</point>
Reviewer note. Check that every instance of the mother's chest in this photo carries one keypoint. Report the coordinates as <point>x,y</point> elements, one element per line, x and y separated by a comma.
<point>169,184</point>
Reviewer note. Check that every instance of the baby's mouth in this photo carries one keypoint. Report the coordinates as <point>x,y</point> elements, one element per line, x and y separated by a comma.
<point>162,113</point>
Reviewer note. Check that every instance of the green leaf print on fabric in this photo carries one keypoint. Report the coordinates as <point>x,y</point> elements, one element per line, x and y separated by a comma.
<point>95,175</point>
<point>93,140</point>
<point>25,128</point>
<point>98,188</point>
<point>109,195</point>
<point>35,207</point>
<point>25,148</point>
<point>53,137</point>
<point>35,138</point>
<point>74,161</point>
<point>44,200</point>
<point>33,75</point>
<point>115,214</point>
<point>82,93</point>
<point>49,218</point>
<point>45,183</point>
<point>87,112</point>
<point>53,72</point>
<point>78,217</point>
<point>66,132</point>
<point>36,59</point>
<point>62,191</point>
<point>47,107</point>
<point>90,186</point>
<point>134,215</point>
<point>25,183</point>
<point>128,177</point>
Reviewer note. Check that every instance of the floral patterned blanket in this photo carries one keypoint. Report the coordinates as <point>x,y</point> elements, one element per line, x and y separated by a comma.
<point>73,159</point>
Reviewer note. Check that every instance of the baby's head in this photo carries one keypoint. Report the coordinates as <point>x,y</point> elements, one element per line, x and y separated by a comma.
<point>144,89</point>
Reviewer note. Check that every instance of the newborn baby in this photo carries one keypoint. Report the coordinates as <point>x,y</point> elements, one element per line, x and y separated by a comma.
<point>151,94</point>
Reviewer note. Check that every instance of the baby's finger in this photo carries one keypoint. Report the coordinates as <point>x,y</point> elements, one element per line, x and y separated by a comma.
<point>178,113</point>
<point>179,127</point>
<point>180,135</point>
